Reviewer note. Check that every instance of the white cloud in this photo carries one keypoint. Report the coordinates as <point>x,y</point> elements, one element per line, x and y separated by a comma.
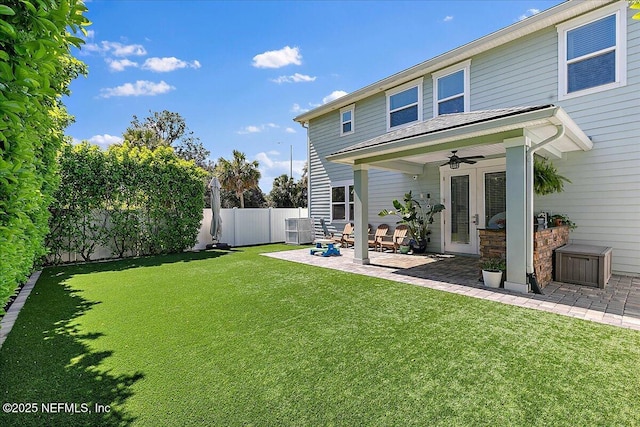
<point>120,64</point>
<point>448,18</point>
<point>119,49</point>
<point>256,129</point>
<point>290,130</point>
<point>296,78</point>
<point>528,13</point>
<point>115,48</point>
<point>296,108</point>
<point>273,167</point>
<point>91,48</point>
<point>139,88</point>
<point>164,65</point>
<point>250,129</point>
<point>90,34</point>
<point>333,96</point>
<point>278,58</point>
<point>105,140</point>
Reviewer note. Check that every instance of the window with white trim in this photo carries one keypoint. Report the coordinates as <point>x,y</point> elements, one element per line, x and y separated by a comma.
<point>451,90</point>
<point>342,202</point>
<point>347,120</point>
<point>592,52</point>
<point>404,104</point>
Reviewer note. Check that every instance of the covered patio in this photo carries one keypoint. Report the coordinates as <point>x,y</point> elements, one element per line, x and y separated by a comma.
<point>618,304</point>
<point>515,134</point>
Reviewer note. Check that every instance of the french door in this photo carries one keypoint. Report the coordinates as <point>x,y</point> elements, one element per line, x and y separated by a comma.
<point>474,197</point>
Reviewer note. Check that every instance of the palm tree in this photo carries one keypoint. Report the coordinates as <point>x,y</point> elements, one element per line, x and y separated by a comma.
<point>238,175</point>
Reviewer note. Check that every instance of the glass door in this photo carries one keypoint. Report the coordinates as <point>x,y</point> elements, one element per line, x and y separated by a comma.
<point>460,212</point>
<point>474,197</point>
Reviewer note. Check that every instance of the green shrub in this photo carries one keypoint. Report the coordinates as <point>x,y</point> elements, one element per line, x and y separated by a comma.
<point>136,201</point>
<point>36,68</point>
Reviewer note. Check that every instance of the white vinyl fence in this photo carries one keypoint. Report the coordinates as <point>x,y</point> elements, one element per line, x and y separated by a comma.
<point>249,226</point>
<point>240,227</point>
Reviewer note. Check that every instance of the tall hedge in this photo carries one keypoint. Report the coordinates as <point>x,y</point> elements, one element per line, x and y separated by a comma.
<point>36,68</point>
<point>133,200</point>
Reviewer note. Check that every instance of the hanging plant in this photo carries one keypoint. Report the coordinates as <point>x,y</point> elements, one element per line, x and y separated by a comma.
<point>546,179</point>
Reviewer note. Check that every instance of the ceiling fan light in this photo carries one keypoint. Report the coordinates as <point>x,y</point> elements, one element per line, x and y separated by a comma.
<point>454,165</point>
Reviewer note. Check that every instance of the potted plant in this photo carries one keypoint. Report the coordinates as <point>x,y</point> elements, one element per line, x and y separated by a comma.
<point>492,272</point>
<point>562,219</point>
<point>405,247</point>
<point>416,219</point>
<point>546,179</point>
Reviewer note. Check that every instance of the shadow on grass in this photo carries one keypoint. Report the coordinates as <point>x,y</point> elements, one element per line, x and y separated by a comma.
<point>50,368</point>
<point>146,261</point>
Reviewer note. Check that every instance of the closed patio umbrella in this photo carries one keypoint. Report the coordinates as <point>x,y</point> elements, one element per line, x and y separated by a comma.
<point>216,220</point>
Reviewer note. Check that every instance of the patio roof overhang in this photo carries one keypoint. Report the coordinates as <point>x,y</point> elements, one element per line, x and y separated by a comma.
<point>514,133</point>
<point>475,133</point>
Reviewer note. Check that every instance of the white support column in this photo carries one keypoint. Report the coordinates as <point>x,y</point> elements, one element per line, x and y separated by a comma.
<point>361,212</point>
<point>517,221</point>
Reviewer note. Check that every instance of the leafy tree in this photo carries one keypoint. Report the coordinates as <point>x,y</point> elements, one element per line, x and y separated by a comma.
<point>238,175</point>
<point>36,69</point>
<point>302,188</point>
<point>283,192</point>
<point>253,198</point>
<point>286,193</point>
<point>635,4</point>
<point>167,129</point>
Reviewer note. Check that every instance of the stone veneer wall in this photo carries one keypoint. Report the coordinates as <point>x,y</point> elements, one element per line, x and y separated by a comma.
<point>493,244</point>
<point>544,243</point>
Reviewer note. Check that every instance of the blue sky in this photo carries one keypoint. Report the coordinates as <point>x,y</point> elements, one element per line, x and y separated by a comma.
<point>238,72</point>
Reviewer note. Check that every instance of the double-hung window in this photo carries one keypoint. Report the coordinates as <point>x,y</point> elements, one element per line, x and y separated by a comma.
<point>342,200</point>
<point>451,90</point>
<point>347,123</point>
<point>592,52</point>
<point>404,105</point>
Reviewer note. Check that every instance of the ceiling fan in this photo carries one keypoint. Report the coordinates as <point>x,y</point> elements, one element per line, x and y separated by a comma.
<point>454,160</point>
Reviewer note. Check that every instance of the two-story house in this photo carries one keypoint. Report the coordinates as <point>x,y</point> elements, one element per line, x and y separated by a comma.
<point>563,84</point>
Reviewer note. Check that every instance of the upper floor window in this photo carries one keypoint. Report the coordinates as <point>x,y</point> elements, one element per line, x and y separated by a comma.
<point>592,51</point>
<point>404,104</point>
<point>347,120</point>
<point>342,202</point>
<point>451,90</point>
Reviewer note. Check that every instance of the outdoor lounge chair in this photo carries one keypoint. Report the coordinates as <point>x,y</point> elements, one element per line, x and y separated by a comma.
<point>340,238</point>
<point>350,239</point>
<point>398,236</point>
<point>380,233</point>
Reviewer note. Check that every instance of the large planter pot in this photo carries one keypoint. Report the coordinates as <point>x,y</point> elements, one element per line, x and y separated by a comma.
<point>419,247</point>
<point>492,279</point>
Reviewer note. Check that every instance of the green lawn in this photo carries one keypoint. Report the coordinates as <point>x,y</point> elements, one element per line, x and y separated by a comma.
<point>236,338</point>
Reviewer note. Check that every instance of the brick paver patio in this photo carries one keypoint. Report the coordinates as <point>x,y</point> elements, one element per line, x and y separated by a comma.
<point>617,304</point>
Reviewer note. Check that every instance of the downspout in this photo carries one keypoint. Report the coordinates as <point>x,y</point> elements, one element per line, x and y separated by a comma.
<point>530,152</point>
<point>308,169</point>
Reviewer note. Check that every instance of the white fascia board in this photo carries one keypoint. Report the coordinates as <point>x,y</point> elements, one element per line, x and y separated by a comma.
<point>504,124</point>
